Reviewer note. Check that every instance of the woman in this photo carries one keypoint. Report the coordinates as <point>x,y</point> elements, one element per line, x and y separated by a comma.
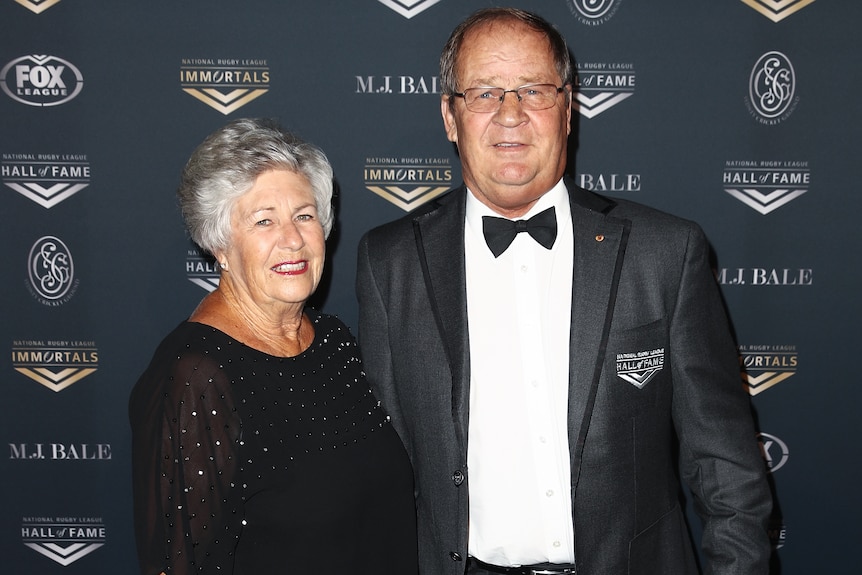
<point>257,445</point>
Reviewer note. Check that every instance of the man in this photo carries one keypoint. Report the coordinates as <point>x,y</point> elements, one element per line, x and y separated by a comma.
<point>544,390</point>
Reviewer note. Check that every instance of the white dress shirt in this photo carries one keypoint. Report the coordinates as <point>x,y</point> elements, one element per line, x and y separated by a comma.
<point>519,313</point>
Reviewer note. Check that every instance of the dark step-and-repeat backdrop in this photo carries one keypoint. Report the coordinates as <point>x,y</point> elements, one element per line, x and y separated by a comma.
<point>743,115</point>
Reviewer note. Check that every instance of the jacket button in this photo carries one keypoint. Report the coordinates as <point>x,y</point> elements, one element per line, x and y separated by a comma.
<point>455,556</point>
<point>458,477</point>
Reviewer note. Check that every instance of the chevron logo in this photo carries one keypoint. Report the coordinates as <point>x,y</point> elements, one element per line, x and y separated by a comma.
<point>764,202</point>
<point>37,6</point>
<point>409,8</point>
<point>777,10</point>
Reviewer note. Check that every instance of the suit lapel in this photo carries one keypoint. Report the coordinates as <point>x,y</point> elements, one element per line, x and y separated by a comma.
<point>600,243</point>
<point>440,240</point>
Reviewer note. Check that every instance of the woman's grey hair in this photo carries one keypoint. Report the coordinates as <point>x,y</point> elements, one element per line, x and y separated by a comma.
<point>227,163</point>
<point>452,49</point>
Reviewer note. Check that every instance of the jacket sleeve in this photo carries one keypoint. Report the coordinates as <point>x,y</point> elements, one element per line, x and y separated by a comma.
<point>373,336</point>
<point>720,459</point>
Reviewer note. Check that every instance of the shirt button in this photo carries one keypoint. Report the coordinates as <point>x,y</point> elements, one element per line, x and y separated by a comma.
<point>458,477</point>
<point>549,492</point>
<point>556,544</point>
<point>455,556</point>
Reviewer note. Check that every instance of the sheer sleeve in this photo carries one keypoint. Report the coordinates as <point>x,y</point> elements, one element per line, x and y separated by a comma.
<point>186,434</point>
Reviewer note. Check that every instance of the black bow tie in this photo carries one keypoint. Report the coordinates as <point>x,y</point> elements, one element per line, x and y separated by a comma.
<point>500,232</point>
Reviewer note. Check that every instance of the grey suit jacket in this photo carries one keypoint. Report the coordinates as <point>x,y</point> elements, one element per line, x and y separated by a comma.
<point>654,375</point>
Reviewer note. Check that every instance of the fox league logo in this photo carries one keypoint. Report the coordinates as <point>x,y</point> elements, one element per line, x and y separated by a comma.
<point>41,81</point>
<point>774,451</point>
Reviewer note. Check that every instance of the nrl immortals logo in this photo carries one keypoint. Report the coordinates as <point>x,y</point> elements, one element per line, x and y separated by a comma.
<point>51,271</point>
<point>56,364</point>
<point>640,367</point>
<point>37,6</point>
<point>774,451</point>
<point>763,366</point>
<point>777,10</point>
<point>407,182</point>
<point>602,85</point>
<point>772,89</point>
<point>63,539</point>
<point>766,185</point>
<point>224,84</point>
<point>46,179</point>
<point>594,12</point>
<point>41,81</point>
<point>408,8</point>
<point>202,270</point>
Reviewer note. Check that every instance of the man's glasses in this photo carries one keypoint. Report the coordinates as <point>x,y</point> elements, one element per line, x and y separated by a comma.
<point>531,97</point>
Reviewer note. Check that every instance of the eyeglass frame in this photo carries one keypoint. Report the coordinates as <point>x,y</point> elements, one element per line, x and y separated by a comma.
<point>502,97</point>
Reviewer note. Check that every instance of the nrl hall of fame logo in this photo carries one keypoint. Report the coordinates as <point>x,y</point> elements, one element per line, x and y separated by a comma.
<point>63,539</point>
<point>37,6</point>
<point>602,85</point>
<point>764,366</point>
<point>408,8</point>
<point>594,12</point>
<point>777,10</point>
<point>407,182</point>
<point>51,272</point>
<point>46,179</point>
<point>41,80</point>
<point>224,84</point>
<point>774,451</point>
<point>765,186</point>
<point>638,368</point>
<point>772,89</point>
<point>202,269</point>
<point>56,364</point>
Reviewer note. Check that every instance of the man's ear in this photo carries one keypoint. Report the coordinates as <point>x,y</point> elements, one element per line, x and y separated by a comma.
<point>446,105</point>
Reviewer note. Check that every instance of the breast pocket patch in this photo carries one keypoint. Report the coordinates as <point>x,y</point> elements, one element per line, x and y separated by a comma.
<point>640,367</point>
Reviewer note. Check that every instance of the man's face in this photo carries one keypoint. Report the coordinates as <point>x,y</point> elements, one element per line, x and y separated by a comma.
<point>511,157</point>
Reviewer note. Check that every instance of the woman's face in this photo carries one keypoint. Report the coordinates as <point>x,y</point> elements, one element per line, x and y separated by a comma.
<point>277,247</point>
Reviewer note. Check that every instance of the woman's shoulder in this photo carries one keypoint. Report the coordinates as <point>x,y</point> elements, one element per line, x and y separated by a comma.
<point>191,356</point>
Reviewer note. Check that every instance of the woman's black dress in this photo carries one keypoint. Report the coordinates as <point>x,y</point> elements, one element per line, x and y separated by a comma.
<point>251,464</point>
